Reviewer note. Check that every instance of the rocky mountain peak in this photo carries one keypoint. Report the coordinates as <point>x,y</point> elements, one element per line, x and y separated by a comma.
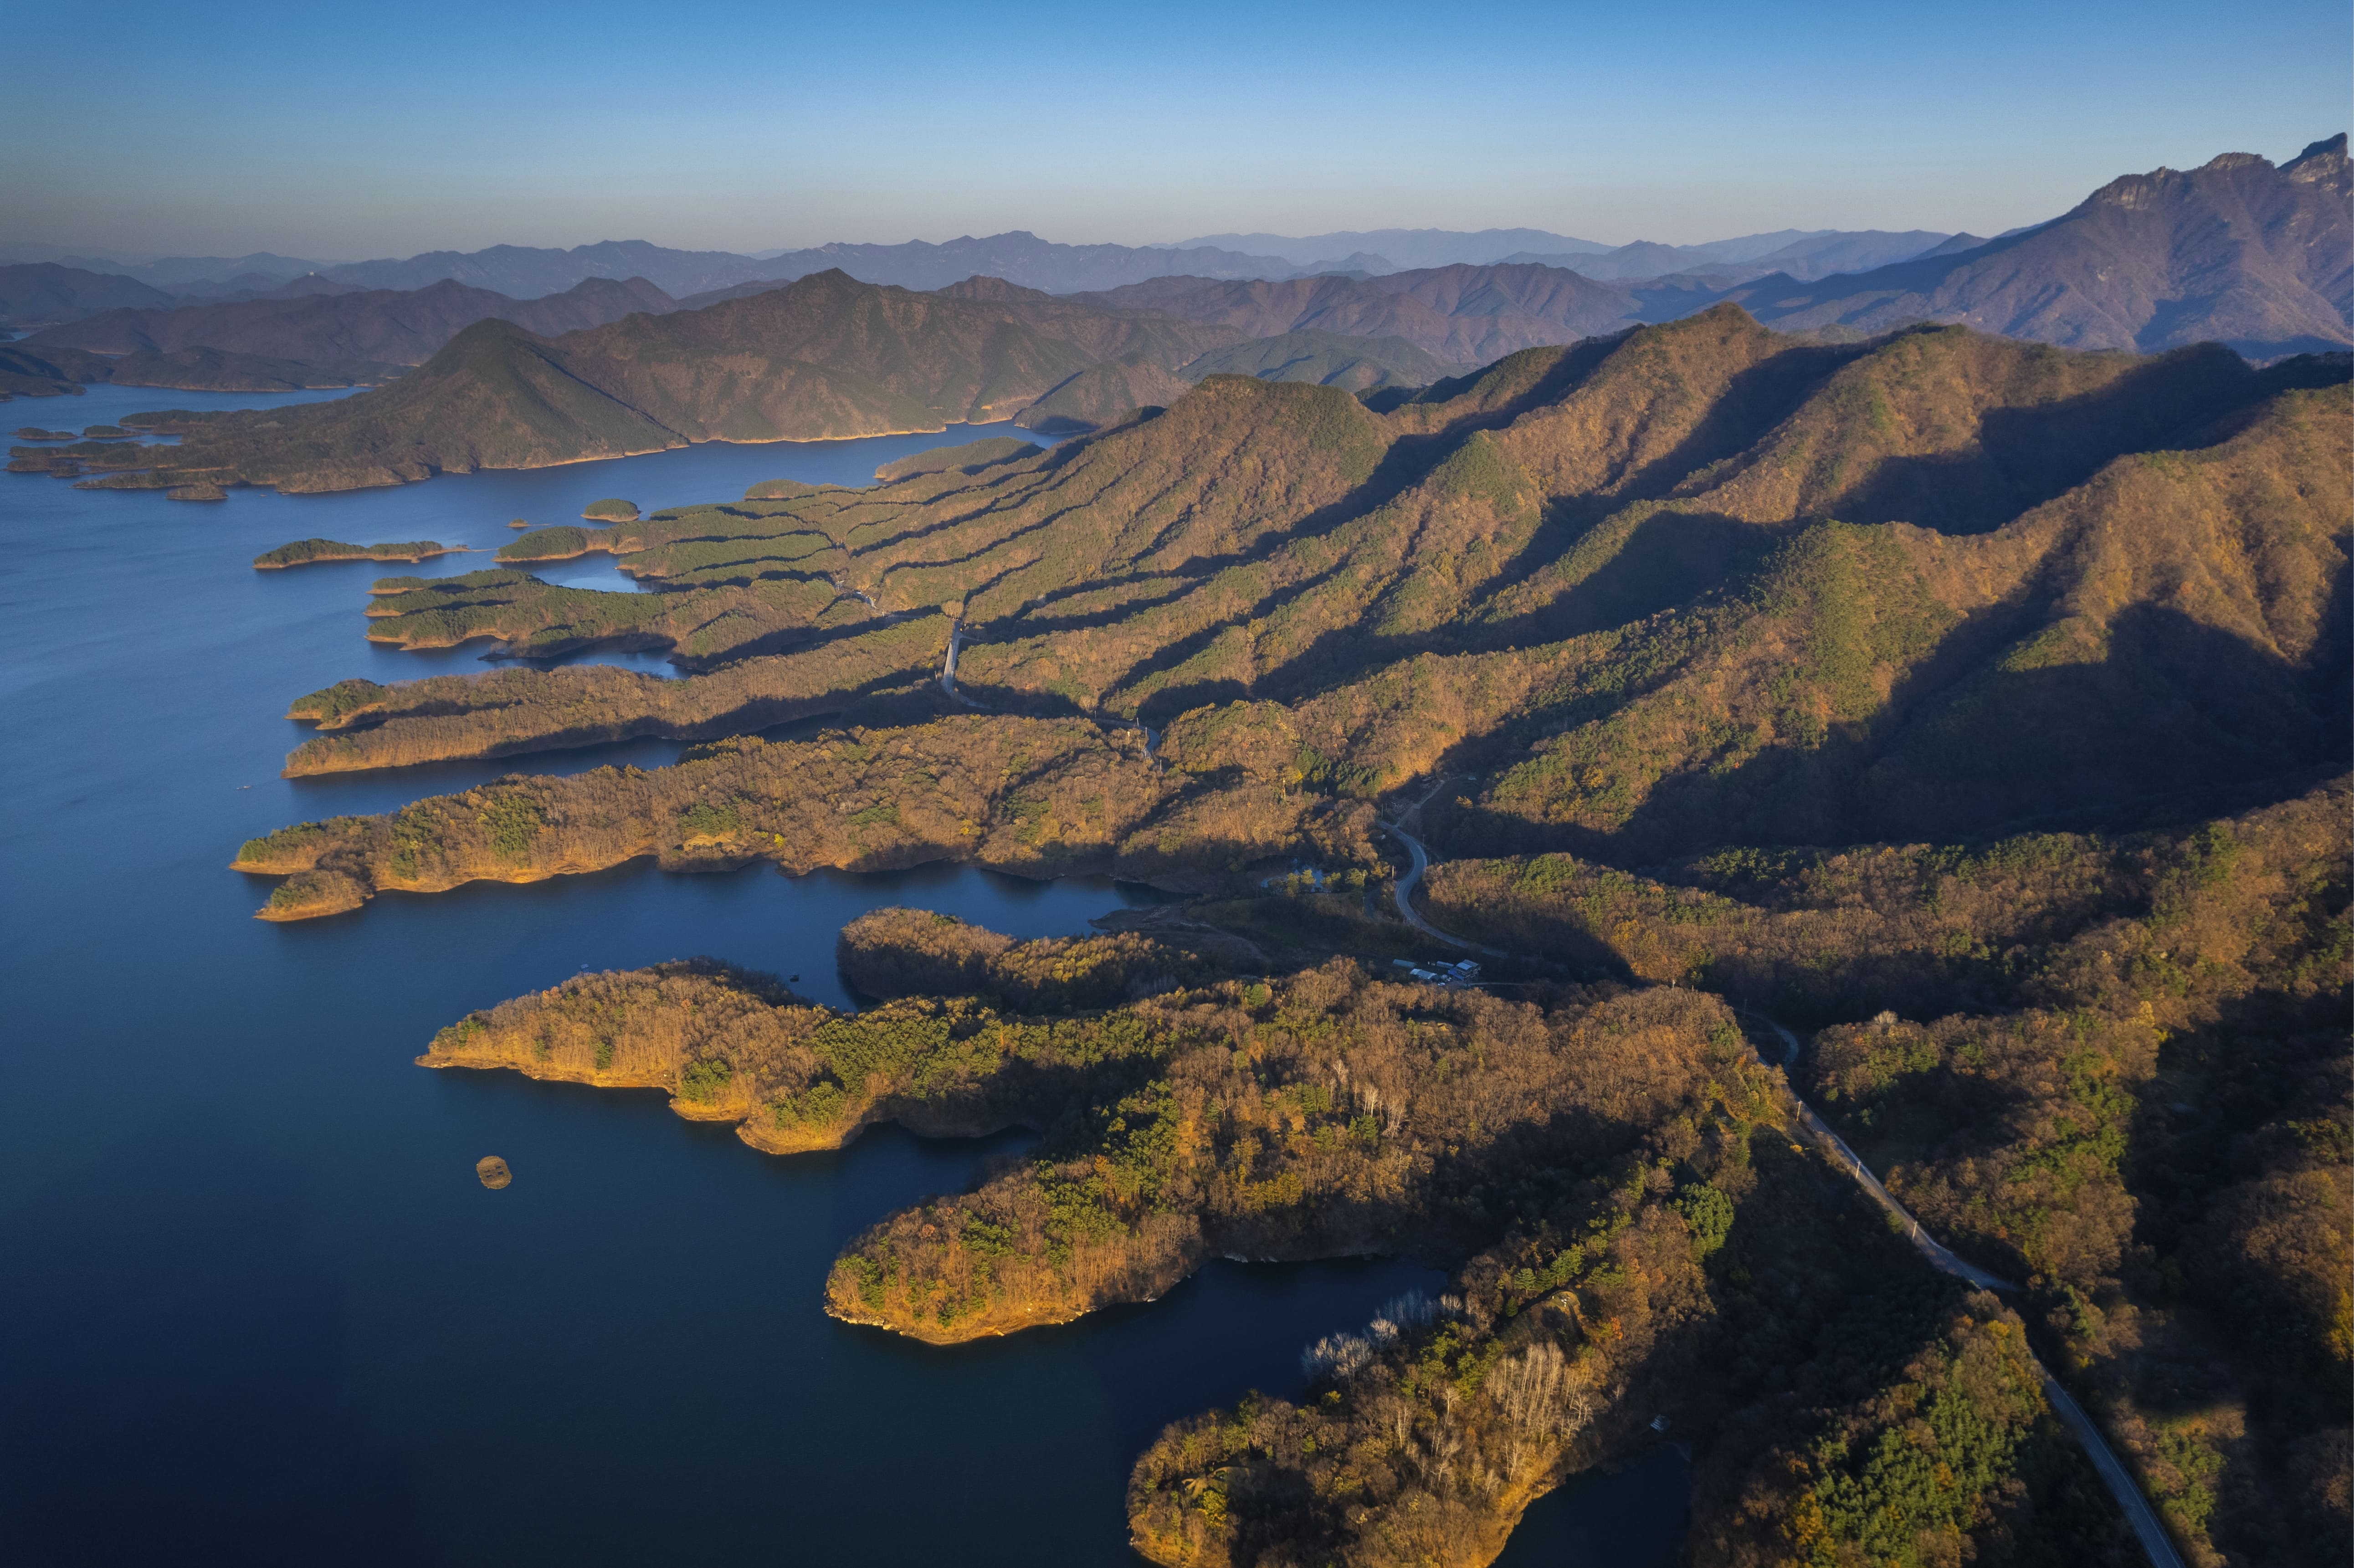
<point>2324,160</point>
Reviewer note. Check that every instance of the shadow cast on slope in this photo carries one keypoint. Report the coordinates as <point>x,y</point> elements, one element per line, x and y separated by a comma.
<point>1666,559</point>
<point>2025,457</point>
<point>2178,722</point>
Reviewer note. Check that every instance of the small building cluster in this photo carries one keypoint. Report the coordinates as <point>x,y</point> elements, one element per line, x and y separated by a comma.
<point>1465,973</point>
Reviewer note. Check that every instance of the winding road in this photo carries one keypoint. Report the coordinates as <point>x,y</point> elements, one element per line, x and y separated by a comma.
<point>2146,1525</point>
<point>947,668</point>
<point>1406,884</point>
<point>1940,1258</point>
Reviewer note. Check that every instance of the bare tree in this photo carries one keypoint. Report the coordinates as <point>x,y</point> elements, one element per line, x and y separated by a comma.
<point>1545,1399</point>
<point>1337,1356</point>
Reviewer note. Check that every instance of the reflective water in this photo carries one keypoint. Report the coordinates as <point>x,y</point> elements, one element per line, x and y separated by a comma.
<point>256,1306</point>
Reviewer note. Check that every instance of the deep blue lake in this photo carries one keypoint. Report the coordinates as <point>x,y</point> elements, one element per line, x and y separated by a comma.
<point>256,1306</point>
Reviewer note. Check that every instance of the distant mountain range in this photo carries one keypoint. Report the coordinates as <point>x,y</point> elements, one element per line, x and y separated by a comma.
<point>2235,251</point>
<point>528,272</point>
<point>1401,249</point>
<point>49,290</point>
<point>1361,334</point>
<point>1022,258</point>
<point>825,356</point>
<point>1465,315</point>
<point>173,274</point>
<point>525,272</point>
<point>1807,253</point>
<point>385,328</point>
<point>42,288</point>
<point>2259,258</point>
<point>1730,261</point>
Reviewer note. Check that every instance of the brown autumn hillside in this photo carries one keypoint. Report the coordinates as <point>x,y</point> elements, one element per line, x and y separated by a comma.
<point>1973,702</point>
<point>1469,315</point>
<point>1699,582</point>
<point>2114,1067</point>
<point>1103,395</point>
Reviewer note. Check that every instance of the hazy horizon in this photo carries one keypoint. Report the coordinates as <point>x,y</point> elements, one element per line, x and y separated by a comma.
<point>283,128</point>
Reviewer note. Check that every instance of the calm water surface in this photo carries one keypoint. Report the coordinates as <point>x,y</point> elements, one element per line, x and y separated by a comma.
<point>256,1306</point>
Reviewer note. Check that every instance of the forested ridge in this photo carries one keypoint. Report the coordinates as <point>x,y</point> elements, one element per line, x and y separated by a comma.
<point>1698,585</point>
<point>1977,707</point>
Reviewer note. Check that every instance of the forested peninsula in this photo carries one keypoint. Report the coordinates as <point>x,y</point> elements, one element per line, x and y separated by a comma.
<point>305,551</point>
<point>1606,1170</point>
<point>1974,708</point>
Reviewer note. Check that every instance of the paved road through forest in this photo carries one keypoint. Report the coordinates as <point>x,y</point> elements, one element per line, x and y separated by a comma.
<point>2139,1513</point>
<point>947,668</point>
<point>1406,884</point>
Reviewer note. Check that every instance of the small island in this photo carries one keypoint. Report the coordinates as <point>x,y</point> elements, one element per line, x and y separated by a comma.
<point>309,552</point>
<point>34,433</point>
<point>611,510</point>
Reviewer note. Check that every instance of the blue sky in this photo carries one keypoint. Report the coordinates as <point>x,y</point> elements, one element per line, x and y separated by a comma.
<point>346,132</point>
